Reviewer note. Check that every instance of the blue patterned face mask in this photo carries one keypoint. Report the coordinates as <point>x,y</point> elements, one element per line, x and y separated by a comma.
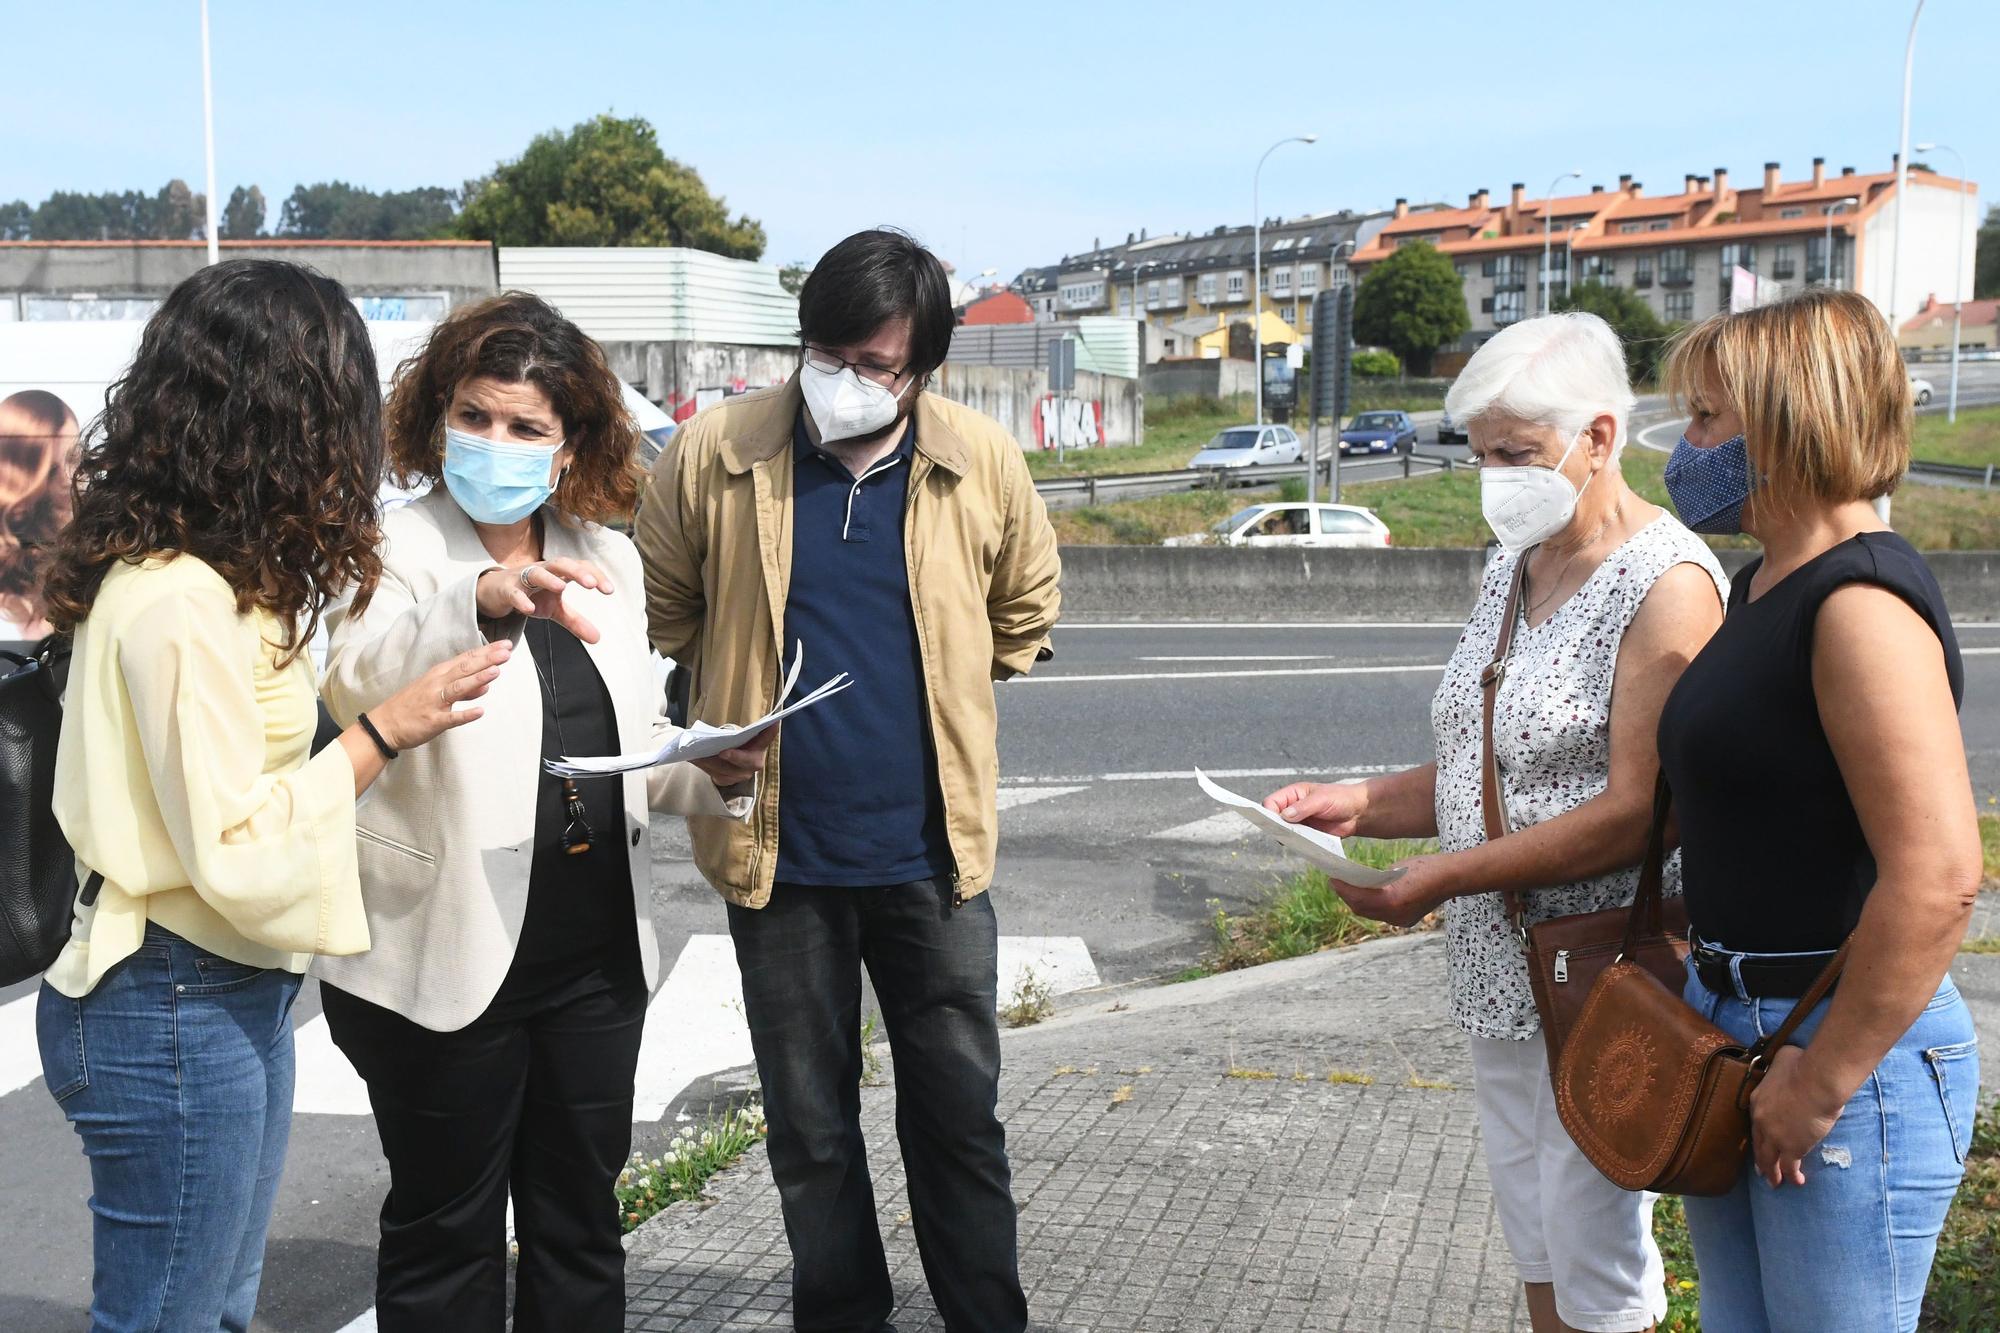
<point>1709,486</point>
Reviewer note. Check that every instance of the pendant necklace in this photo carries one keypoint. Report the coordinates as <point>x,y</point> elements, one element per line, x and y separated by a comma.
<point>576,834</point>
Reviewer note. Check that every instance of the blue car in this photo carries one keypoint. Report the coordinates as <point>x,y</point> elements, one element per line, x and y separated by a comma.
<point>1379,433</point>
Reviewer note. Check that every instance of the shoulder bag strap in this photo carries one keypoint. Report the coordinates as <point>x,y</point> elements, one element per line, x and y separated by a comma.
<point>1647,919</point>
<point>1492,797</point>
<point>1760,1054</point>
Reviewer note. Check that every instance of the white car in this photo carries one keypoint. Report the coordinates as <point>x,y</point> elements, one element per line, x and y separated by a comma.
<point>1249,446</point>
<point>1921,390</point>
<point>1280,524</point>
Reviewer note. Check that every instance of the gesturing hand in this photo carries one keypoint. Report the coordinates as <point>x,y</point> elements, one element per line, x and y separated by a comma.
<point>1330,807</point>
<point>1788,1119</point>
<point>537,590</point>
<point>425,707</point>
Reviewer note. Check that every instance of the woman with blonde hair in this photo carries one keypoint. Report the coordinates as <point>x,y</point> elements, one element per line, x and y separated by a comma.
<point>1820,785</point>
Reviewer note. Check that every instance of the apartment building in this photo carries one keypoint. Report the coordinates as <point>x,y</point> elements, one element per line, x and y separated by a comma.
<point>1680,251</point>
<point>1185,280</point>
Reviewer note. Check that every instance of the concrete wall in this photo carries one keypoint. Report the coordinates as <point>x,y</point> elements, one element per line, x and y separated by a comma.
<point>1217,378</point>
<point>683,377</point>
<point>1109,583</point>
<point>1013,396</point>
<point>462,269</point>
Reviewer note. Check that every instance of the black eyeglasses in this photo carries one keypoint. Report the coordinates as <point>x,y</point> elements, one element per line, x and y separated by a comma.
<point>822,360</point>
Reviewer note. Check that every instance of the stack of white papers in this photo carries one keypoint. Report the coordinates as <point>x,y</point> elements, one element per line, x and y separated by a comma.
<point>1322,849</point>
<point>703,740</point>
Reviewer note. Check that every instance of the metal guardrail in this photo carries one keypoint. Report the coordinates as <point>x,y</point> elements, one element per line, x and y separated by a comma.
<point>1219,478</point>
<point>1984,474</point>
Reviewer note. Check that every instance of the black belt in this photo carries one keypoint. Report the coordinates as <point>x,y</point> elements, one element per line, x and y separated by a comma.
<point>1763,978</point>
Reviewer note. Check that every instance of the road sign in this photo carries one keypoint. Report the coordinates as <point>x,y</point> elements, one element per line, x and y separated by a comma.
<point>1062,365</point>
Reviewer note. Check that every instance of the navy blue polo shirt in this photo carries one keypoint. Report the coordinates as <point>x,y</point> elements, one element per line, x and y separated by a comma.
<point>858,799</point>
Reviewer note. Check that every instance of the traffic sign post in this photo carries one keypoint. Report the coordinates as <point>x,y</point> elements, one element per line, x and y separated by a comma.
<point>1062,377</point>
<point>1333,353</point>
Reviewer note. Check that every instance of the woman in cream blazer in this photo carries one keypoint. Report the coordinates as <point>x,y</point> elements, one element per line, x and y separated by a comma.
<point>497,1017</point>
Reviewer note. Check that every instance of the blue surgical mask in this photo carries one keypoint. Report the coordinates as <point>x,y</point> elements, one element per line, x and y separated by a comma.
<point>1709,486</point>
<point>496,482</point>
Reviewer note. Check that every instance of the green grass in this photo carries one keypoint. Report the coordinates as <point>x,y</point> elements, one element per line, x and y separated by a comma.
<point>1989,840</point>
<point>695,1153</point>
<point>1964,1291</point>
<point>1973,439</point>
<point>1302,914</point>
<point>1151,521</point>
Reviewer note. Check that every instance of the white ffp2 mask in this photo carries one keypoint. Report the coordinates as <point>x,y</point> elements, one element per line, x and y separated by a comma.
<point>843,405</point>
<point>1530,504</point>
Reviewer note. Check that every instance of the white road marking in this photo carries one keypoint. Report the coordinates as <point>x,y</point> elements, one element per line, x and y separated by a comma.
<point>20,1053</point>
<point>1227,675</point>
<point>326,1083</point>
<point>1066,626</point>
<point>1060,962</point>
<point>1011,797</point>
<point>1187,774</point>
<point>1212,831</point>
<point>1671,423</point>
<point>1976,652</point>
<point>1301,657</point>
<point>361,1323</point>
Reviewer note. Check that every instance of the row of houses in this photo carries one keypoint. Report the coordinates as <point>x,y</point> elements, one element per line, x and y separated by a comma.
<point>1686,254</point>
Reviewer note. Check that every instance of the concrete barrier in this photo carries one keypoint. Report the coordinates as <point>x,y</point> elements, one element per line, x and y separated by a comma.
<point>1130,583</point>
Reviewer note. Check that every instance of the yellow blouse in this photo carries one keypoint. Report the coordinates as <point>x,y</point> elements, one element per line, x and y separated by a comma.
<point>182,777</point>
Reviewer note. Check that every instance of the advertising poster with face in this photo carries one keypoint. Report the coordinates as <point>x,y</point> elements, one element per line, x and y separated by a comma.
<point>38,456</point>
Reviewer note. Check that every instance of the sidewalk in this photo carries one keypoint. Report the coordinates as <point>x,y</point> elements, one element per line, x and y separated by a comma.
<point>1182,1162</point>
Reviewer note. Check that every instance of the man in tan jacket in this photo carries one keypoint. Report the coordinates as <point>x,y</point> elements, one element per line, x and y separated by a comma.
<point>896,536</point>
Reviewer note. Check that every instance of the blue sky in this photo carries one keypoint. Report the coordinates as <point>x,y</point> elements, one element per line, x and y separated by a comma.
<point>1003,134</point>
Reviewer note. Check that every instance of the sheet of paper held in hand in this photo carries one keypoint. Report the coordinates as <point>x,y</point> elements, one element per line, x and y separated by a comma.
<point>702,740</point>
<point>1322,849</point>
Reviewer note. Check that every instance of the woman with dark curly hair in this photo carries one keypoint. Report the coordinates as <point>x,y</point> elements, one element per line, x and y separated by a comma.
<point>37,456</point>
<point>497,1019</point>
<point>229,493</point>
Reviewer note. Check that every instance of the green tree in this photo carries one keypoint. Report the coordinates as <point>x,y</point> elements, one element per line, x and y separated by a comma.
<point>1411,303</point>
<point>173,214</point>
<point>1986,257</point>
<point>1376,364</point>
<point>1642,332</point>
<point>335,210</point>
<point>17,221</point>
<point>792,277</point>
<point>604,182</point>
<point>243,216</point>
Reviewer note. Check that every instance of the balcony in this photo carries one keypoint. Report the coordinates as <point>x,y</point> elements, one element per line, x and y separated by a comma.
<point>1784,272</point>
<point>1677,277</point>
<point>1642,280</point>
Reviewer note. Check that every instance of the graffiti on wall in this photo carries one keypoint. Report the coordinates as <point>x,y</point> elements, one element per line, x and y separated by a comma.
<point>1069,423</point>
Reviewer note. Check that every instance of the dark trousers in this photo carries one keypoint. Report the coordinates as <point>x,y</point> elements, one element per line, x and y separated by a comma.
<point>933,966</point>
<point>534,1096</point>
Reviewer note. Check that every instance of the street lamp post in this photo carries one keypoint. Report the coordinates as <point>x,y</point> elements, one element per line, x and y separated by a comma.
<point>1826,279</point>
<point>1569,264</point>
<point>208,136</point>
<point>1902,189</point>
<point>1957,274</point>
<point>1257,264</point>
<point>1548,221</point>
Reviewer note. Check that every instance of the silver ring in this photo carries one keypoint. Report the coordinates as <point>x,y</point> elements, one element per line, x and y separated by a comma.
<point>525,571</point>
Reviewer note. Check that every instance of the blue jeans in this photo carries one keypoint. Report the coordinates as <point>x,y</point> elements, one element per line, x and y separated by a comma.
<point>176,1072</point>
<point>1851,1249</point>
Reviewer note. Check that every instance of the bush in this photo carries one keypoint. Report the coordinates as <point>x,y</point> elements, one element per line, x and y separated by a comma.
<point>1376,364</point>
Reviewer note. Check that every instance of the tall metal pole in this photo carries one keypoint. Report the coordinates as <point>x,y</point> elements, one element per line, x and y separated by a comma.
<point>1548,221</point>
<point>1257,265</point>
<point>1957,273</point>
<point>208,135</point>
<point>1902,189</point>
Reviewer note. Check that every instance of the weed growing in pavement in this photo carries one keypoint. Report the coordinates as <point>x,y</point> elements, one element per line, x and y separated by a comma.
<point>1034,1000</point>
<point>1123,1095</point>
<point>1349,1076</point>
<point>1251,1075</point>
<point>1981,944</point>
<point>1429,1084</point>
<point>871,1055</point>
<point>1302,914</point>
<point>696,1153</point>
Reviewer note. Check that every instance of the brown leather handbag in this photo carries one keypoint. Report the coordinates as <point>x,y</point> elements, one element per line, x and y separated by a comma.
<point>1656,1096</point>
<point>1566,954</point>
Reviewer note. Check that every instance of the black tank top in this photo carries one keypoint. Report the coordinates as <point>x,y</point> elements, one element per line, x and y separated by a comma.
<point>1772,856</point>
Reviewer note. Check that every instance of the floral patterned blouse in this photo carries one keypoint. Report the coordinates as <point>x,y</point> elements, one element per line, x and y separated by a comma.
<point>1552,729</point>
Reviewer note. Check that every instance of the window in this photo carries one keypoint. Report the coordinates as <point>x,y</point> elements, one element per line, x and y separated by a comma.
<point>1173,291</point>
<point>1509,306</point>
<point>1741,255</point>
<point>1816,260</point>
<point>1789,213</point>
<point>1485,305</point>
<point>1308,279</point>
<point>1152,295</point>
<point>1125,302</point>
<point>1785,262</point>
<point>1281,282</point>
<point>1675,270</point>
<point>1204,288</point>
<point>1642,271</point>
<point>1343,521</point>
<point>1680,306</point>
<point>1168,347</point>
<point>1662,225</point>
<point>1598,268</point>
<point>1285,312</point>
<point>1236,285</point>
<point>1629,228</point>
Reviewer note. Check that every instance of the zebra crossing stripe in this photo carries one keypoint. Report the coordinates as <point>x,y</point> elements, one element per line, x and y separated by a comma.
<point>20,1055</point>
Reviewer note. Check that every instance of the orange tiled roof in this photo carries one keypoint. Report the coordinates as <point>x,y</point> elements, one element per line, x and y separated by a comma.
<point>1442,219</point>
<point>1976,314</point>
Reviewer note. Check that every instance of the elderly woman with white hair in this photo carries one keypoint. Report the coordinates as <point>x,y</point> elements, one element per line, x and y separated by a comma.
<point>1617,598</point>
